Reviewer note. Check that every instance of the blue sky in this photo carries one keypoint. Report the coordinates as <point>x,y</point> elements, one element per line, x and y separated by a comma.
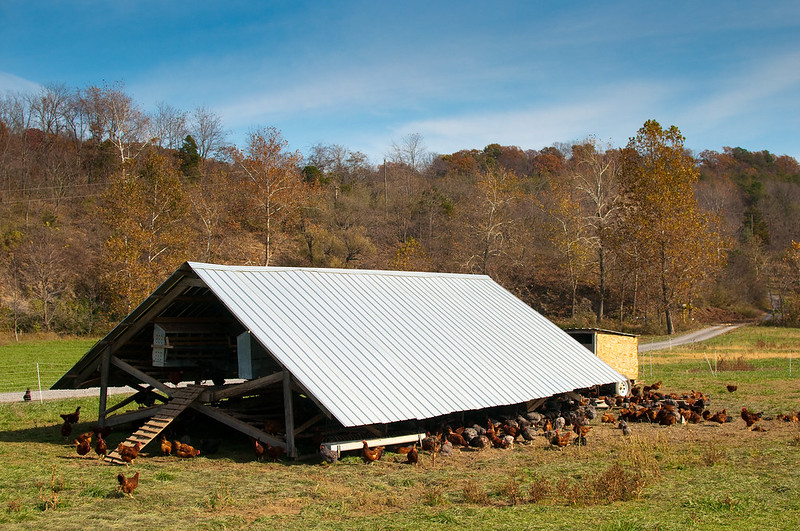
<point>463,74</point>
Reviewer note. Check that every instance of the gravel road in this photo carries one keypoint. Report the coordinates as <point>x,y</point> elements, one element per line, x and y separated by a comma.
<point>691,337</point>
<point>48,394</point>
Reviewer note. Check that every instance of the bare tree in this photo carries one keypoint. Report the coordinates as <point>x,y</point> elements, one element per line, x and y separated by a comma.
<point>168,126</point>
<point>112,115</point>
<point>50,107</point>
<point>411,151</point>
<point>206,129</point>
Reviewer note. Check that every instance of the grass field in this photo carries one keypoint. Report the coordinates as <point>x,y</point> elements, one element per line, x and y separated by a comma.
<point>682,477</point>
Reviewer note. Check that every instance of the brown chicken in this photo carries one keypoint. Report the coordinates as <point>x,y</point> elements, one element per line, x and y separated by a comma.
<point>166,446</point>
<point>73,417</point>
<point>581,430</point>
<point>456,438</point>
<point>720,417</point>
<point>258,448</point>
<point>693,417</point>
<point>412,457</point>
<point>731,388</point>
<point>100,447</point>
<point>757,427</point>
<point>83,437</point>
<point>608,418</point>
<point>127,485</point>
<point>561,440</point>
<point>84,447</point>
<point>371,454</point>
<point>274,452</point>
<point>749,417</point>
<point>185,450</point>
<point>127,452</point>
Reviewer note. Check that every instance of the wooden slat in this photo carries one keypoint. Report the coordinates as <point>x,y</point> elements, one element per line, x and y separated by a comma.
<point>142,376</point>
<point>182,398</point>
<point>237,424</point>
<point>243,388</point>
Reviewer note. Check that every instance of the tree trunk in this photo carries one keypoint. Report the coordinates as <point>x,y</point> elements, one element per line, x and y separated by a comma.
<point>602,287</point>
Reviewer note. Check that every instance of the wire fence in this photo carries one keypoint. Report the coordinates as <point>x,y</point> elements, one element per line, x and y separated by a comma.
<point>22,376</point>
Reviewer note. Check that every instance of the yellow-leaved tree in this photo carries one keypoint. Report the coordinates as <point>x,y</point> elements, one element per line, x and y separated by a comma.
<point>662,218</point>
<point>272,186</point>
<point>146,214</point>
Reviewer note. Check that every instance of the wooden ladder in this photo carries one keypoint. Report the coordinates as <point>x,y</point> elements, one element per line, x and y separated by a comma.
<point>181,399</point>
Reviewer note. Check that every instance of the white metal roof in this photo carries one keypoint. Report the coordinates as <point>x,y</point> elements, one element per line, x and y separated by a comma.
<point>384,346</point>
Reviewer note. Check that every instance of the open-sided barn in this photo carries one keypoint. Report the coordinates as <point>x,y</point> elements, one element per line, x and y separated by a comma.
<point>304,348</point>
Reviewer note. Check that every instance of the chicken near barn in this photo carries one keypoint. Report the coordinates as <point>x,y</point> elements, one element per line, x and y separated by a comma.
<point>129,453</point>
<point>371,455</point>
<point>185,450</point>
<point>73,417</point>
<point>100,447</point>
<point>166,446</point>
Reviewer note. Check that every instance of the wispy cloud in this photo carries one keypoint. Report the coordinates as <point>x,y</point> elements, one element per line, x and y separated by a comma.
<point>12,83</point>
<point>613,113</point>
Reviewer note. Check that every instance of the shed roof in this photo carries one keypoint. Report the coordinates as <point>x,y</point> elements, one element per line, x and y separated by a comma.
<point>384,346</point>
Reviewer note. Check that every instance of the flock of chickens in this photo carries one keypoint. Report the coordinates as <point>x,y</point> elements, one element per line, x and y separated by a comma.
<point>561,421</point>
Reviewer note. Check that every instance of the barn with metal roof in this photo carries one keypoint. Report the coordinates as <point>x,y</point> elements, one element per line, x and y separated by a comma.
<point>302,347</point>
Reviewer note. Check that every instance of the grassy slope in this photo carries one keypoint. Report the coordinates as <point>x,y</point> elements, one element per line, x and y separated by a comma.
<point>695,477</point>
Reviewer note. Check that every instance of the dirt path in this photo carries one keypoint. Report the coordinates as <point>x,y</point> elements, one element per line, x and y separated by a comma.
<point>691,337</point>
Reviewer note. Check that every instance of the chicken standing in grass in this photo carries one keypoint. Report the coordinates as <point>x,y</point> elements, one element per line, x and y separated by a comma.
<point>329,455</point>
<point>100,447</point>
<point>73,417</point>
<point>127,485</point>
<point>84,447</point>
<point>371,455</point>
<point>413,455</point>
<point>749,417</point>
<point>560,440</point>
<point>166,446</point>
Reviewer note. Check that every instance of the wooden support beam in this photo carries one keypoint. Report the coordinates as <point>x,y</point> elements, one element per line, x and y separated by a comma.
<point>120,405</point>
<point>374,430</point>
<point>132,398</point>
<point>242,388</point>
<point>156,305</point>
<point>105,363</point>
<point>288,409</point>
<point>237,424</point>
<point>133,371</point>
<point>310,422</point>
<point>132,416</point>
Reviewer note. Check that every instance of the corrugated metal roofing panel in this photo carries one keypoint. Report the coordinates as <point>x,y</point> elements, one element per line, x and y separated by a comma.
<point>385,346</point>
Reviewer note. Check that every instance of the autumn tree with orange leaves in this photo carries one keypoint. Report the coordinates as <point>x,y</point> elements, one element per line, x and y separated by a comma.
<point>273,188</point>
<point>662,217</point>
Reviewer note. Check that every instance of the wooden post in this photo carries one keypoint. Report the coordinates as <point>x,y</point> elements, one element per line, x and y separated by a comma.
<point>288,409</point>
<point>104,369</point>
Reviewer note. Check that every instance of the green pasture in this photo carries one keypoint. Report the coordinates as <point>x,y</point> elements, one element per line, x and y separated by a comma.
<point>703,477</point>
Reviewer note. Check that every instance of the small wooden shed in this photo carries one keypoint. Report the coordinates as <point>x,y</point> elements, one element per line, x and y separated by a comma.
<point>618,349</point>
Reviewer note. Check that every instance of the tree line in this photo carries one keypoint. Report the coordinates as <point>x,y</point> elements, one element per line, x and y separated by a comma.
<point>100,201</point>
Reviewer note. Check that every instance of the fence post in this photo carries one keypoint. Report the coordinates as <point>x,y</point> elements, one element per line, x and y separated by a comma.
<point>39,378</point>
